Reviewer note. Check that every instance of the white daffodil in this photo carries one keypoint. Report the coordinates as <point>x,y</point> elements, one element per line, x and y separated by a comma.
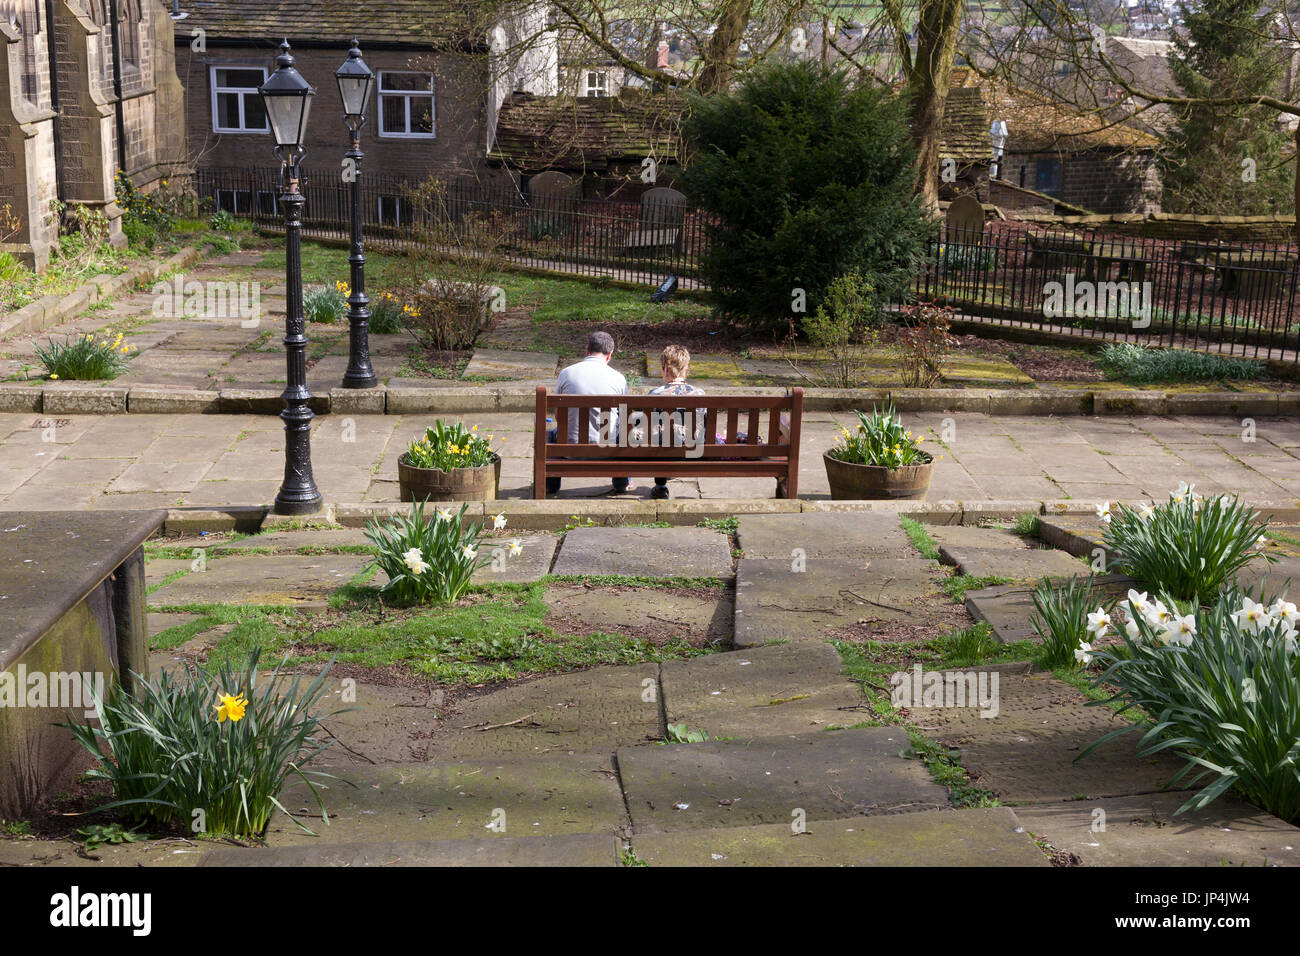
<point>1103,512</point>
<point>1083,653</point>
<point>1261,542</point>
<point>468,551</point>
<point>444,514</point>
<point>1099,623</point>
<point>1159,615</point>
<point>1182,630</point>
<point>1182,493</point>
<point>516,547</point>
<point>1285,611</point>
<point>415,561</point>
<point>1132,630</point>
<point>499,522</point>
<point>1252,615</point>
<point>1139,601</point>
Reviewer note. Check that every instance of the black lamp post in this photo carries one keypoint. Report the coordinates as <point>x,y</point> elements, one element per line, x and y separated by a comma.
<point>355,80</point>
<point>287,98</point>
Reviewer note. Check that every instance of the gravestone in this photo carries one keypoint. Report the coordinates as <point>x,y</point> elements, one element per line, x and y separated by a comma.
<point>663,210</point>
<point>552,195</point>
<point>965,220</point>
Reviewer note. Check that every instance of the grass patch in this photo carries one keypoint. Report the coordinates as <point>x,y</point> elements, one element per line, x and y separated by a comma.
<point>1027,524</point>
<point>1127,362</point>
<point>498,633</point>
<point>565,300</point>
<point>946,770</point>
<point>727,525</point>
<point>920,538</point>
<point>957,585</point>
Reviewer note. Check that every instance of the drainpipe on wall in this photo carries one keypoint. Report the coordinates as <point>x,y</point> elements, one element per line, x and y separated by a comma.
<point>115,26</point>
<point>54,99</point>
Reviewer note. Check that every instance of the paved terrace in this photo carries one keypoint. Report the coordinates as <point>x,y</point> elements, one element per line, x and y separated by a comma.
<point>169,461</point>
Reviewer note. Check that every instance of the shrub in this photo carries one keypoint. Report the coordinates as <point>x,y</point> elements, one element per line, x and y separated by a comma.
<point>148,218</point>
<point>843,326</point>
<point>322,303</point>
<point>880,439</point>
<point>923,341</point>
<point>1061,619</point>
<point>449,275</point>
<point>1139,363</point>
<point>222,221</point>
<point>446,446</point>
<point>430,560</point>
<point>1189,546</point>
<point>85,357</point>
<point>1222,689</point>
<point>223,744</point>
<point>386,312</point>
<point>804,177</point>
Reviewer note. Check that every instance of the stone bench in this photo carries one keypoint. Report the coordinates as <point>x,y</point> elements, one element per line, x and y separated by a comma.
<point>72,606</point>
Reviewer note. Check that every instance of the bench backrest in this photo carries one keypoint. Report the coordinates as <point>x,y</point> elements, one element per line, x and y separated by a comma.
<point>725,418</point>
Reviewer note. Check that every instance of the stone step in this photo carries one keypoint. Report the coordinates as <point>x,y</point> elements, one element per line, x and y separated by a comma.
<point>984,837</point>
<point>1024,750</point>
<point>781,689</point>
<point>778,599</point>
<point>1028,564</point>
<point>839,535</point>
<point>1008,607</point>
<point>821,776</point>
<point>599,709</point>
<point>564,794</point>
<point>303,581</point>
<point>579,849</point>
<point>1143,831</point>
<point>647,552</point>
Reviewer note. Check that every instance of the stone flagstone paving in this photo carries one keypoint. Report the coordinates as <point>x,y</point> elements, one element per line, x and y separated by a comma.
<point>566,769</point>
<point>146,461</point>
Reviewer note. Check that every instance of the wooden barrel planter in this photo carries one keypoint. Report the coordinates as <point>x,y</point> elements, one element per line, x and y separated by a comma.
<point>459,484</point>
<point>851,482</point>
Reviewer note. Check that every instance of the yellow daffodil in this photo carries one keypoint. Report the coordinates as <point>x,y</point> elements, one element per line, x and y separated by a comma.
<point>231,707</point>
<point>53,376</point>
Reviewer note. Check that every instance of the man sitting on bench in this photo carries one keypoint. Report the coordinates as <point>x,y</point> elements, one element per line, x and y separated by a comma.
<point>591,376</point>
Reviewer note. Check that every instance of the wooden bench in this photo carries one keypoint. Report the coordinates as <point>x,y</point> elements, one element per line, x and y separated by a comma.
<point>766,451</point>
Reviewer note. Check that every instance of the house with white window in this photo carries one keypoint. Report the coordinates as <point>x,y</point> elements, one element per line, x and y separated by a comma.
<point>441,74</point>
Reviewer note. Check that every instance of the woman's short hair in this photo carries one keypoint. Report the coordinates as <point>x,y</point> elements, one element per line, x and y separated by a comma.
<point>676,359</point>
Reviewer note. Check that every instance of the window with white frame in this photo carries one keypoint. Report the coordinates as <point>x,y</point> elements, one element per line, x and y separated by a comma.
<point>597,84</point>
<point>406,105</point>
<point>236,104</point>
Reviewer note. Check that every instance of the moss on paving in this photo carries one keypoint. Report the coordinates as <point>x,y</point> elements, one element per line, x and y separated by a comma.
<point>498,633</point>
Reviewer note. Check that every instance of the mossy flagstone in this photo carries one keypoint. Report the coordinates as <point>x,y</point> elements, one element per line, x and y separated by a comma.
<point>822,776</point>
<point>564,794</point>
<point>982,837</point>
<point>777,601</point>
<point>1143,831</point>
<point>785,688</point>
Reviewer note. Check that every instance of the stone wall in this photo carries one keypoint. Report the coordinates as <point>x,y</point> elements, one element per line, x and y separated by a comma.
<point>74,154</point>
<point>1160,225</point>
<point>1101,181</point>
<point>460,101</point>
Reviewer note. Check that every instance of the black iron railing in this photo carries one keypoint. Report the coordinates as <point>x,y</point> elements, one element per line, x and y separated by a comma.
<point>1228,295</point>
<point>631,241</point>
